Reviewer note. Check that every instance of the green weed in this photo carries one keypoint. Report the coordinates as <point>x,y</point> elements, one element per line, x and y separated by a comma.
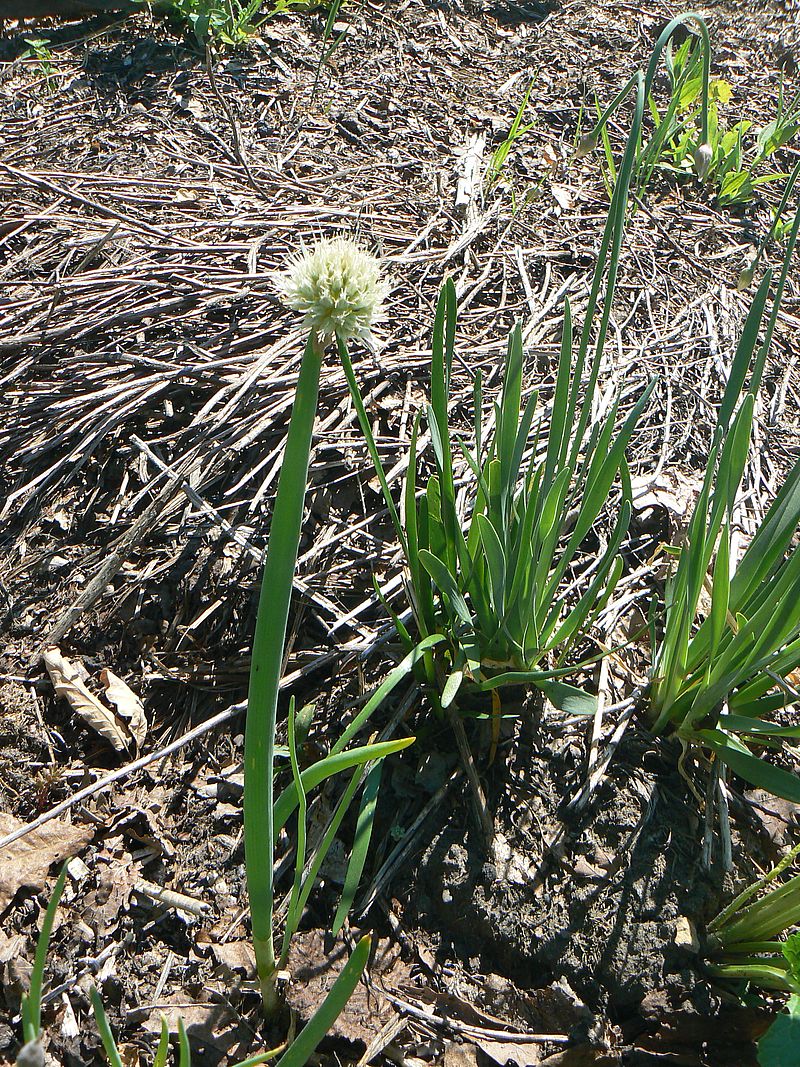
<point>688,137</point>
<point>229,22</point>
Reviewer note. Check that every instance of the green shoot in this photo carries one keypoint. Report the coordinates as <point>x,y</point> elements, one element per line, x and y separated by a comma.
<point>329,42</point>
<point>32,1002</point>
<point>517,131</point>
<point>104,1029</point>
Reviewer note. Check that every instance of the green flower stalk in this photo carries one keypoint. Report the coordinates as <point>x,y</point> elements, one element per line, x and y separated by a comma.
<point>338,289</point>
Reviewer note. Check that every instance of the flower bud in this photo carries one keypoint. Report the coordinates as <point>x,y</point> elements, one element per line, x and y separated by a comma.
<point>702,160</point>
<point>337,287</point>
<point>746,275</point>
<point>586,145</point>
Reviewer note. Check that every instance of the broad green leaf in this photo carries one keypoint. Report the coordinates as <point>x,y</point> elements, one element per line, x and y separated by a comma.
<point>497,564</point>
<point>447,585</point>
<point>791,953</point>
<point>780,1045</point>
<point>451,687</point>
<point>568,698</point>
<point>743,724</point>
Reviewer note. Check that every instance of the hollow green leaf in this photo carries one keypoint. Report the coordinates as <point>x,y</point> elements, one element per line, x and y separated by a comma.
<point>358,856</point>
<point>104,1029</point>
<point>32,1001</point>
<point>163,1045</point>
<point>184,1051</point>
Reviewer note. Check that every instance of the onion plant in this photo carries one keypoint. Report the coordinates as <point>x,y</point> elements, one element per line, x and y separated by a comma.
<point>495,575</point>
<point>750,941</point>
<point>296,1054</point>
<point>338,289</point>
<point>688,137</point>
<point>717,680</point>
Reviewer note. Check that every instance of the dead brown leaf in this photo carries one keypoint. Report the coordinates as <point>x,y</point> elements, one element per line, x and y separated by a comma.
<point>457,1055</point>
<point>583,1056</point>
<point>503,1052</point>
<point>106,904</point>
<point>235,957</point>
<point>27,861</point>
<point>10,947</point>
<point>128,705</point>
<point>215,1025</point>
<point>313,971</point>
<point>68,684</point>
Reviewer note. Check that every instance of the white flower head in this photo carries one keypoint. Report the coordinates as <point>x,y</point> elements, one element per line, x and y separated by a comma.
<point>337,286</point>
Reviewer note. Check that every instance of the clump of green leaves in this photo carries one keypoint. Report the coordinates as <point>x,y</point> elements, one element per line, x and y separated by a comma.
<point>717,680</point>
<point>750,941</point>
<point>229,22</point>
<point>689,136</point>
<point>494,570</point>
<point>40,50</point>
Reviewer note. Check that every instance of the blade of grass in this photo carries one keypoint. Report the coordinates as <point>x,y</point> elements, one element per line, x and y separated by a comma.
<point>32,1002</point>
<point>104,1029</point>
<point>358,858</point>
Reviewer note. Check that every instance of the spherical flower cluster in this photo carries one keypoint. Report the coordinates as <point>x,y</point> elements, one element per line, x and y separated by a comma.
<point>337,287</point>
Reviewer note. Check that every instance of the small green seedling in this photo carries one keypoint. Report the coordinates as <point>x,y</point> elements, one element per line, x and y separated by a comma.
<point>39,49</point>
<point>516,133</point>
